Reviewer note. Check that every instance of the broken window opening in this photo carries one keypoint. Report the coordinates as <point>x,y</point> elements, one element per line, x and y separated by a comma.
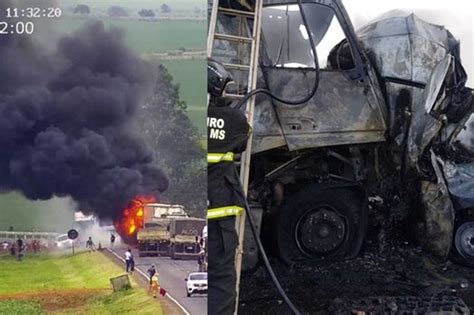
<point>286,40</point>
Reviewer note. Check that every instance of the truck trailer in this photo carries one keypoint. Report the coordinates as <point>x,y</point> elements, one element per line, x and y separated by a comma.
<point>185,233</point>
<point>154,236</point>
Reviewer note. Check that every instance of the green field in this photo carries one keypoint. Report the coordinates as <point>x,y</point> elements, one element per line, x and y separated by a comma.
<point>184,5</point>
<point>145,36</point>
<point>20,307</point>
<point>24,215</point>
<point>191,77</point>
<point>77,284</point>
<point>161,37</point>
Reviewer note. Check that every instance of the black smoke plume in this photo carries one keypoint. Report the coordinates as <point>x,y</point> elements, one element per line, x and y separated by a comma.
<point>65,120</point>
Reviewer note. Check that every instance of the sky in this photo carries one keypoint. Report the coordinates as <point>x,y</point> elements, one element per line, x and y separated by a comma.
<point>456,15</point>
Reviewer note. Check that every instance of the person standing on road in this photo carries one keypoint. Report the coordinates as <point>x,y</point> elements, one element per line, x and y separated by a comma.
<point>128,260</point>
<point>112,240</point>
<point>90,245</point>
<point>154,285</point>
<point>132,263</point>
<point>151,272</point>
<point>228,132</point>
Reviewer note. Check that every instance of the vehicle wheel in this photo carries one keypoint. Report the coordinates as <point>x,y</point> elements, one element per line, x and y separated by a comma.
<point>320,222</point>
<point>462,251</point>
<point>172,254</point>
<point>188,294</point>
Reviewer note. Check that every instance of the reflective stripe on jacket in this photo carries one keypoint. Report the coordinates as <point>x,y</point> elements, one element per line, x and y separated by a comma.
<point>223,212</point>
<point>220,157</point>
<point>228,132</point>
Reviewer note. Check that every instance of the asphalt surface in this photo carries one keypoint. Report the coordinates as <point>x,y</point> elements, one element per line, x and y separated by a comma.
<point>172,275</point>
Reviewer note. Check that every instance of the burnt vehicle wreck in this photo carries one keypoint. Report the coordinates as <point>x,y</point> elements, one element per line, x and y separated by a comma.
<point>382,125</point>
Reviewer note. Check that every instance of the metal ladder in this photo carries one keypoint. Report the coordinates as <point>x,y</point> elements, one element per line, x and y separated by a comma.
<point>252,68</point>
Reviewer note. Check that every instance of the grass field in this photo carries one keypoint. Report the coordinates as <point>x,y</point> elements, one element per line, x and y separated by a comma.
<point>136,4</point>
<point>68,285</point>
<point>191,77</point>
<point>148,37</point>
<point>20,307</point>
<point>160,37</point>
<point>25,215</point>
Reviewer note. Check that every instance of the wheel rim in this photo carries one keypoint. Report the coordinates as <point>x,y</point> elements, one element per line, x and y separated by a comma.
<point>464,240</point>
<point>320,231</point>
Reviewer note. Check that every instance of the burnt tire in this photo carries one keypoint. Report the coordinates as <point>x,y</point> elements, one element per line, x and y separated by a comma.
<point>462,250</point>
<point>321,222</point>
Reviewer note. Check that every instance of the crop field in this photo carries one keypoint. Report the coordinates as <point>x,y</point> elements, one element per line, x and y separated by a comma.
<point>24,215</point>
<point>146,37</point>
<point>191,77</point>
<point>180,5</point>
<point>77,284</point>
<point>149,36</point>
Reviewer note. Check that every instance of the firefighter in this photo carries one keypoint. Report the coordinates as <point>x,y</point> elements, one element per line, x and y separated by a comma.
<point>228,133</point>
<point>154,284</point>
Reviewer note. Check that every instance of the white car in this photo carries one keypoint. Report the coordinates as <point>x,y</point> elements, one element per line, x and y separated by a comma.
<point>196,282</point>
<point>63,241</point>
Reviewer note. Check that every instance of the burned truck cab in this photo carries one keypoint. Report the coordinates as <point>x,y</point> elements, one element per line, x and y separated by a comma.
<point>348,106</point>
<point>308,160</point>
<point>390,101</point>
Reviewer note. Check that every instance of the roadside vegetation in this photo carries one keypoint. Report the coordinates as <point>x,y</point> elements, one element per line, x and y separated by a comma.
<point>66,284</point>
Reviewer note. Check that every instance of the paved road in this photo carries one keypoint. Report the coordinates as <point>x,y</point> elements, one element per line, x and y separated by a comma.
<point>172,275</point>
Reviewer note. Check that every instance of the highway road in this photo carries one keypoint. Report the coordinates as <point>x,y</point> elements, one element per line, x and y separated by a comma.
<point>172,275</point>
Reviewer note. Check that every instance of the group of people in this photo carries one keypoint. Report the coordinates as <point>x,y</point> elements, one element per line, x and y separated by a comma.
<point>19,247</point>
<point>154,287</point>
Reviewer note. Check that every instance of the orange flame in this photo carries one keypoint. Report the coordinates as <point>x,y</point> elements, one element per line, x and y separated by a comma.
<point>132,216</point>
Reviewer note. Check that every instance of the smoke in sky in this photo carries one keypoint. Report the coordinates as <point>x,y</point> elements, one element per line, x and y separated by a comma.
<point>65,116</point>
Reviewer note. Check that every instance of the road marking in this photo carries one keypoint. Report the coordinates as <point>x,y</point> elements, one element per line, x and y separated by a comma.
<point>147,278</point>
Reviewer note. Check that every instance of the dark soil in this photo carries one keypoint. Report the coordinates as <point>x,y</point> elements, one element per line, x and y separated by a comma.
<point>53,300</point>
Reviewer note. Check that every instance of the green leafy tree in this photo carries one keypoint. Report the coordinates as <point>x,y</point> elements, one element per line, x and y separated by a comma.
<point>177,145</point>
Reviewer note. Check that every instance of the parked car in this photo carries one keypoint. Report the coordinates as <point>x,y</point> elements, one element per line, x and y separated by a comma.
<point>196,282</point>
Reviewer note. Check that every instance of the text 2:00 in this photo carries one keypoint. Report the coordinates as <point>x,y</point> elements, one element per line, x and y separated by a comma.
<point>17,28</point>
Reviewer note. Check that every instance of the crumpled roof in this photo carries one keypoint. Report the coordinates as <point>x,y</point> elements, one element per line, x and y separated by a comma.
<point>387,41</point>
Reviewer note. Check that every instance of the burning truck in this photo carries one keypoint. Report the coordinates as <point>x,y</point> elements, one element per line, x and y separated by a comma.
<point>382,125</point>
<point>154,235</point>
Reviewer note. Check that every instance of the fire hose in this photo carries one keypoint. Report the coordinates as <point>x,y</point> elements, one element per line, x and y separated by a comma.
<point>269,268</point>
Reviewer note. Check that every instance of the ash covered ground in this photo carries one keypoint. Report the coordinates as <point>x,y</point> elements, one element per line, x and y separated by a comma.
<point>390,264</point>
